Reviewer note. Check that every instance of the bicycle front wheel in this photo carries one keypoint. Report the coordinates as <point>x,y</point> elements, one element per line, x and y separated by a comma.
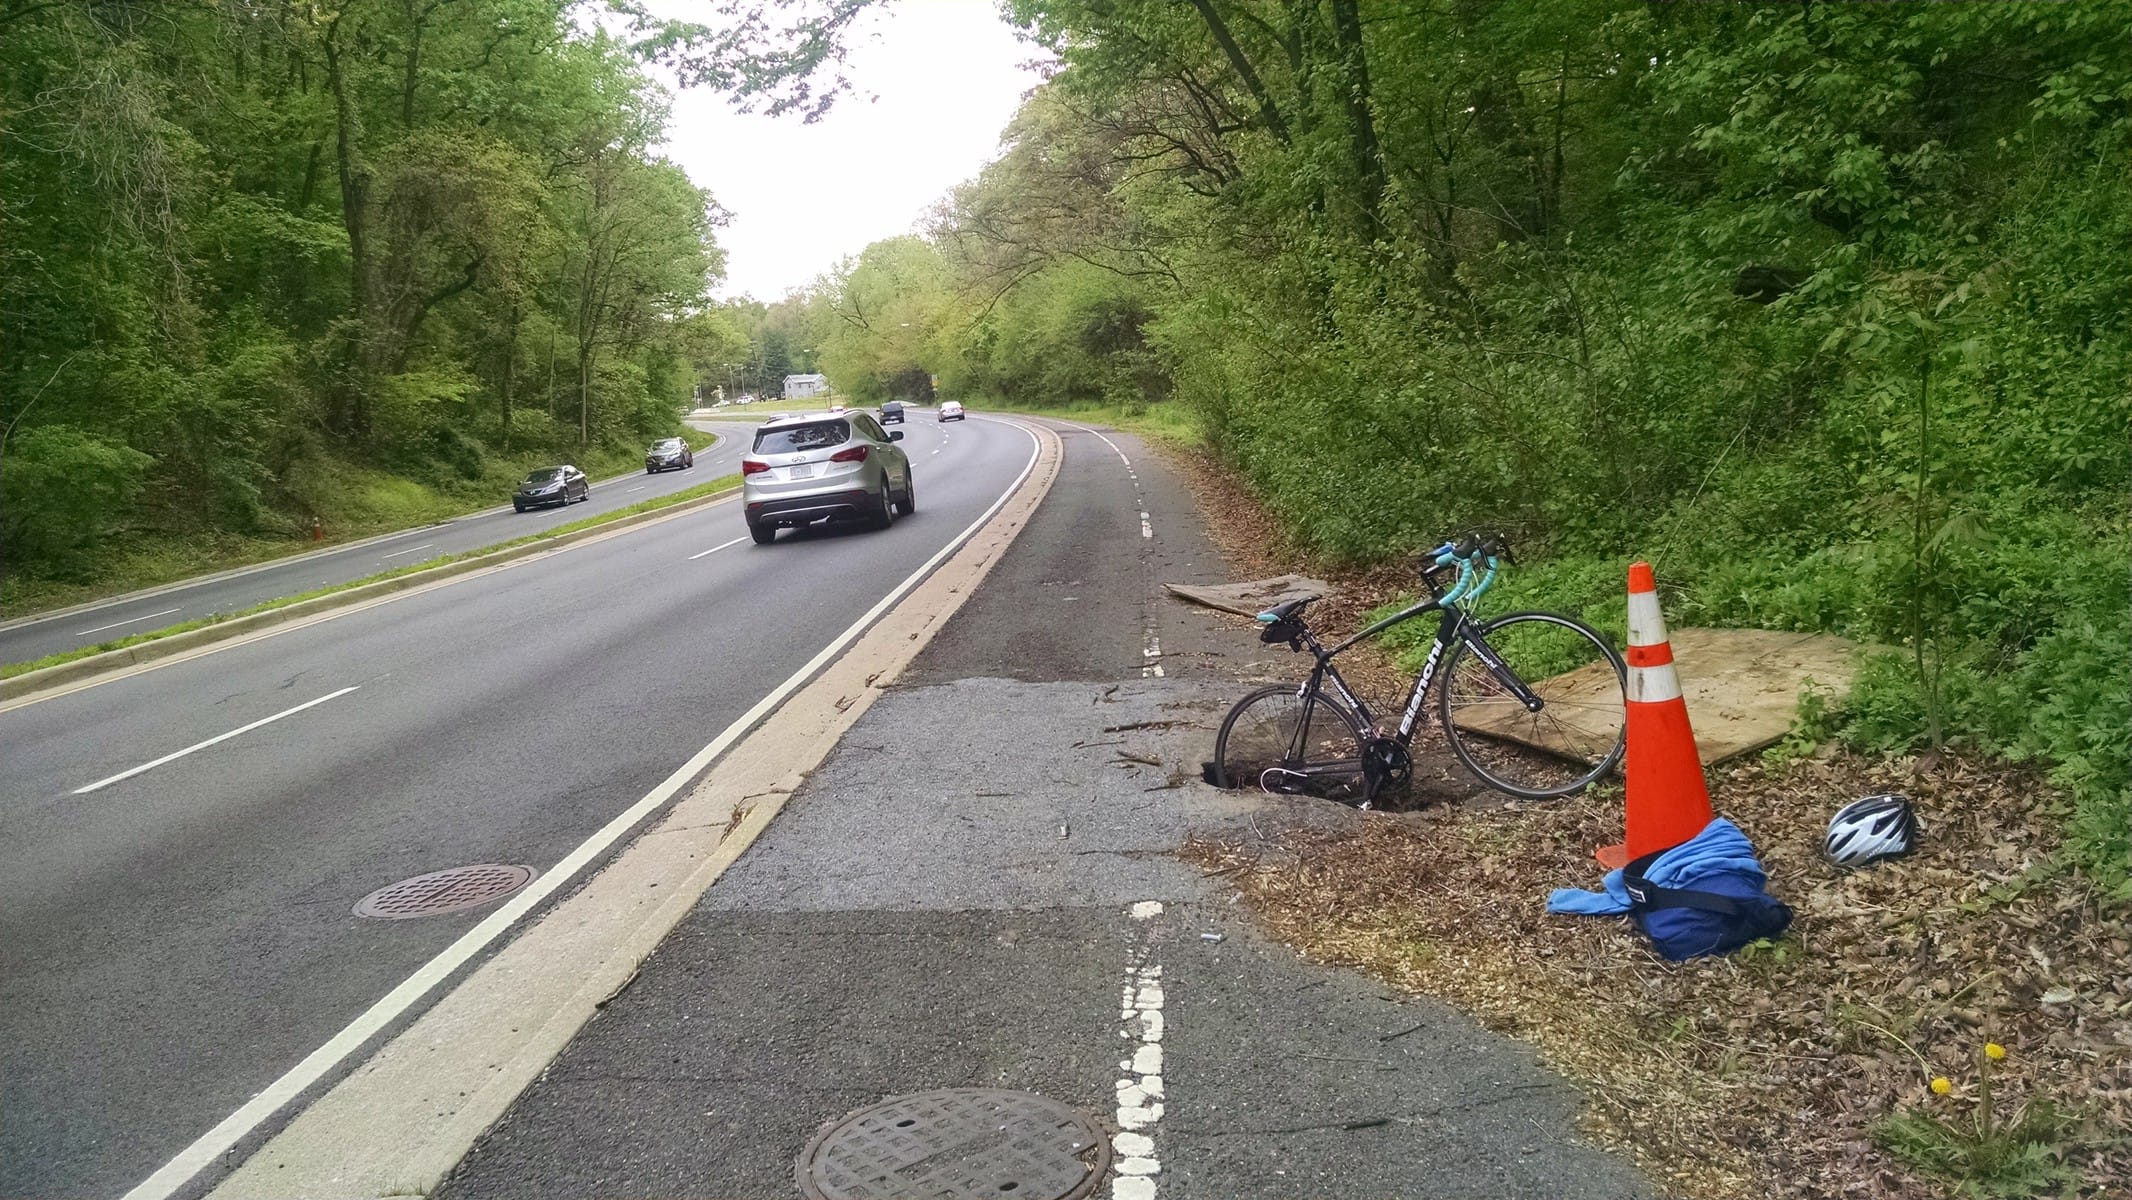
<point>1574,731</point>
<point>1277,740</point>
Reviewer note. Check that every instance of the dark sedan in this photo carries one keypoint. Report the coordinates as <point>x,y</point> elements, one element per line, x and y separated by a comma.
<point>668,454</point>
<point>552,485</point>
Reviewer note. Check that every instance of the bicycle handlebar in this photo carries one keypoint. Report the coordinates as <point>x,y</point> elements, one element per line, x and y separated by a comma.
<point>1472,553</point>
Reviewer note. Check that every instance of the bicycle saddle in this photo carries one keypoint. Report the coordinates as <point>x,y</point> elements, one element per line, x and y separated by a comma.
<point>1284,610</point>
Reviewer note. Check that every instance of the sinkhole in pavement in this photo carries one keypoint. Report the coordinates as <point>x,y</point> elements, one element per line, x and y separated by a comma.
<point>957,1144</point>
<point>445,891</point>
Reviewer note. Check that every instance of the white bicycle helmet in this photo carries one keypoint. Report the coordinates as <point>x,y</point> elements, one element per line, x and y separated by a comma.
<point>1871,829</point>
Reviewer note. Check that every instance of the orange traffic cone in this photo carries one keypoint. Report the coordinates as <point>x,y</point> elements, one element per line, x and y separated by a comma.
<point>1668,803</point>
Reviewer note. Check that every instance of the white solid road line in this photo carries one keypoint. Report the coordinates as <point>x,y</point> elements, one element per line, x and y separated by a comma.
<point>1106,441</point>
<point>409,550</point>
<point>150,766</point>
<point>720,546</point>
<point>216,1142</point>
<point>131,621</point>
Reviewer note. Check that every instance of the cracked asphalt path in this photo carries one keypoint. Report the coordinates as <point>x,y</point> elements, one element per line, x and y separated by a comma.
<point>963,892</point>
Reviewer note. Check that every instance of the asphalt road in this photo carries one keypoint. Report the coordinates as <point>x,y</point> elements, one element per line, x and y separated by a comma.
<point>981,888</point>
<point>235,591</point>
<point>177,938</point>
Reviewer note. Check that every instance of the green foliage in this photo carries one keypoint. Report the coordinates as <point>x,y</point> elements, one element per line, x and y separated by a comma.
<point>1812,726</point>
<point>247,248</point>
<point>1825,310</point>
<point>60,487</point>
<point>2022,1160</point>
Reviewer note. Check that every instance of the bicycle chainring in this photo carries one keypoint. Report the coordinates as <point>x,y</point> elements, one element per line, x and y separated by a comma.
<point>1386,765</point>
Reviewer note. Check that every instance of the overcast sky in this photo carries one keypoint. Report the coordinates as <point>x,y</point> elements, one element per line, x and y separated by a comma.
<point>935,81</point>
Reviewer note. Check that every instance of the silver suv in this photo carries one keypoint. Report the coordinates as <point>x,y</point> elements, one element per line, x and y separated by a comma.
<point>841,467</point>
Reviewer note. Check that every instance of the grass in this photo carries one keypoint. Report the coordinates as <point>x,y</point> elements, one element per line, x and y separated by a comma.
<point>1170,423</point>
<point>722,483</point>
<point>741,412</point>
<point>361,503</point>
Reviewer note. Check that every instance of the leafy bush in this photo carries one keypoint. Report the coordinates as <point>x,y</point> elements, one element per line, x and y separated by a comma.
<point>60,487</point>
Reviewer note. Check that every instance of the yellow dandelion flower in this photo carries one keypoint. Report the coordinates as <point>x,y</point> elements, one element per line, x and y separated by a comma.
<point>1942,1085</point>
<point>1994,1051</point>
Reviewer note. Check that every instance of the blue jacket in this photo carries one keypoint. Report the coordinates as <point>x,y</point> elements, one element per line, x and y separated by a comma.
<point>1707,895</point>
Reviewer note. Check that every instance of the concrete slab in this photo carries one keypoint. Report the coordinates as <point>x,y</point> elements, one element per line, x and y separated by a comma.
<point>1253,596</point>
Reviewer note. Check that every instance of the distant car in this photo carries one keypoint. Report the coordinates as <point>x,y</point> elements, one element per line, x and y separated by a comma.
<point>668,454</point>
<point>950,410</point>
<point>892,410</point>
<point>552,485</point>
<point>804,469</point>
<point>837,408</point>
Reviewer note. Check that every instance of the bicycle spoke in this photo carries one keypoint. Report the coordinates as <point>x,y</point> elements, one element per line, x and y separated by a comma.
<point>1576,735</point>
<point>1259,744</point>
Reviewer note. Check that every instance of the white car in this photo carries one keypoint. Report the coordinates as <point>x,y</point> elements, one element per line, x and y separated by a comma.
<point>805,469</point>
<point>950,410</point>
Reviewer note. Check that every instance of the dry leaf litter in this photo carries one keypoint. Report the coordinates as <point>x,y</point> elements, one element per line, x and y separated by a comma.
<point>1767,1072</point>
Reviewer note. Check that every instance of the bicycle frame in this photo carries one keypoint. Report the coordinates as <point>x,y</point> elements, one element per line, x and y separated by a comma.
<point>1455,624</point>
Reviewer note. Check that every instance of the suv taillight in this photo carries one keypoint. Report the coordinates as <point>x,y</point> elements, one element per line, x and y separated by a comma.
<point>749,466</point>
<point>855,454</point>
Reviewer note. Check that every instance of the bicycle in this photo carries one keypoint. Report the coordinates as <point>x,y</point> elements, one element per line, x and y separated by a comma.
<point>1514,709</point>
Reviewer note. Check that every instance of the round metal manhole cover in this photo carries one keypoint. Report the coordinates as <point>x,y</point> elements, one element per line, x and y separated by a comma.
<point>957,1144</point>
<point>444,891</point>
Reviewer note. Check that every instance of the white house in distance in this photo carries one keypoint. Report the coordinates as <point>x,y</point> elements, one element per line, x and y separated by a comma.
<point>801,387</point>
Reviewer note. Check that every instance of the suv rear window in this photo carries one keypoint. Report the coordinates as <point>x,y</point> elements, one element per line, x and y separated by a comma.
<point>797,439</point>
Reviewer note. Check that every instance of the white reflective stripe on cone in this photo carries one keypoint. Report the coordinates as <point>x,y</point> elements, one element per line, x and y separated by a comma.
<point>1653,685</point>
<point>1647,626</point>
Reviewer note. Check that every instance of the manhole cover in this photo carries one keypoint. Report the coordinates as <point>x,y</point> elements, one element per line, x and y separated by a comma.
<point>954,1144</point>
<point>444,891</point>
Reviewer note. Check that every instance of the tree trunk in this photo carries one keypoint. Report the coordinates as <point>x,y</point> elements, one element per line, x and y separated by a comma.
<point>584,393</point>
<point>509,371</point>
<point>1364,153</point>
<point>353,415</point>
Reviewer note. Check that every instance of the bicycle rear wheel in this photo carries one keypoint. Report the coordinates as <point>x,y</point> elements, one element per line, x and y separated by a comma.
<point>1575,735</point>
<point>1278,741</point>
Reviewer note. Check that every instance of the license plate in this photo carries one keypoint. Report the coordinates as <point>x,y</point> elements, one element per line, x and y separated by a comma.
<point>803,471</point>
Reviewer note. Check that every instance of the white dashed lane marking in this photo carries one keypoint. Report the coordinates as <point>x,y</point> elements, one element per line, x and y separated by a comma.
<point>715,549</point>
<point>1151,651</point>
<point>130,621</point>
<point>409,550</point>
<point>1140,1089</point>
<point>213,741</point>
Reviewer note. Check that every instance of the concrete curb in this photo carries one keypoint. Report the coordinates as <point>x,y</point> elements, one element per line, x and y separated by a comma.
<point>30,683</point>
